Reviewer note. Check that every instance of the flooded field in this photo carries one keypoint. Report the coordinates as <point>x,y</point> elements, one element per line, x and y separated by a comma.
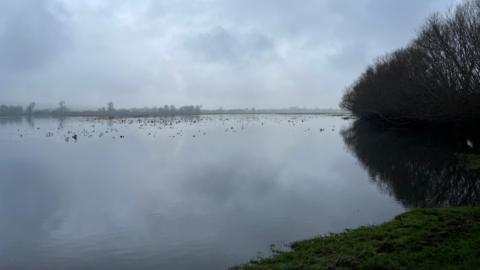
<point>202,192</point>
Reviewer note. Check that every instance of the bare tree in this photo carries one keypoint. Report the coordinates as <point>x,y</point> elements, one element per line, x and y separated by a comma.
<point>435,78</point>
<point>62,108</point>
<point>110,109</point>
<point>29,109</point>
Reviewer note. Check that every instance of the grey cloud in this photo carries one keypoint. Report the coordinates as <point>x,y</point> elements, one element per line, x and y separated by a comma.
<point>231,53</point>
<point>31,34</point>
<point>219,44</point>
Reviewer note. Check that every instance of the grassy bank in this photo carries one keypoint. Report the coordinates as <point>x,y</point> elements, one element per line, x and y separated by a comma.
<point>420,239</point>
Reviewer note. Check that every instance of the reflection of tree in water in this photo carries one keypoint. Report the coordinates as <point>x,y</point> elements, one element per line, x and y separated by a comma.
<point>61,123</point>
<point>30,121</point>
<point>10,120</point>
<point>420,168</point>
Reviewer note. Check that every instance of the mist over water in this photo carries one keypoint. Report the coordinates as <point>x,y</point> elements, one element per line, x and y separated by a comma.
<point>202,192</point>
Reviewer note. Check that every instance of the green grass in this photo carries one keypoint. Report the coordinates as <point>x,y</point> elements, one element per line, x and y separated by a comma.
<point>420,239</point>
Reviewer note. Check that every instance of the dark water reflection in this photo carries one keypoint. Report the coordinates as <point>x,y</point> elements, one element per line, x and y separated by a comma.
<point>10,120</point>
<point>197,193</point>
<point>421,168</point>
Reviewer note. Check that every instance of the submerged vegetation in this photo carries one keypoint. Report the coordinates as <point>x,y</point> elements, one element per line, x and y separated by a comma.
<point>436,78</point>
<point>420,239</point>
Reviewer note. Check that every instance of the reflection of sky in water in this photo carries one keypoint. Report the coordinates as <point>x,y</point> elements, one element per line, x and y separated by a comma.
<point>153,201</point>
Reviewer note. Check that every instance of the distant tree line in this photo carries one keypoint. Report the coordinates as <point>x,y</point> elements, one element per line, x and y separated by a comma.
<point>167,110</point>
<point>290,110</point>
<point>108,111</point>
<point>11,110</point>
<point>436,78</point>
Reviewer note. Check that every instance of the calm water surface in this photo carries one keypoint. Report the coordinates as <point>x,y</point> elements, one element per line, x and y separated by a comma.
<point>192,193</point>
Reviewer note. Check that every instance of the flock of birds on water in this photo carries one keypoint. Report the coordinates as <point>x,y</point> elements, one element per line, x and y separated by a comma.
<point>118,128</point>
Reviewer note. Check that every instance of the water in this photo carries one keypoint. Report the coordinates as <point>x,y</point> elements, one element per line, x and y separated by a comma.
<point>206,192</point>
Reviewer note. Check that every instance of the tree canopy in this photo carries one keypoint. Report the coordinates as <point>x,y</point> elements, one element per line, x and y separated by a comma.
<point>435,78</point>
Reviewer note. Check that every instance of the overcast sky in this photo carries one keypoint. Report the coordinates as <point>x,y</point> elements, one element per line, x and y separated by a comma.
<point>230,53</point>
